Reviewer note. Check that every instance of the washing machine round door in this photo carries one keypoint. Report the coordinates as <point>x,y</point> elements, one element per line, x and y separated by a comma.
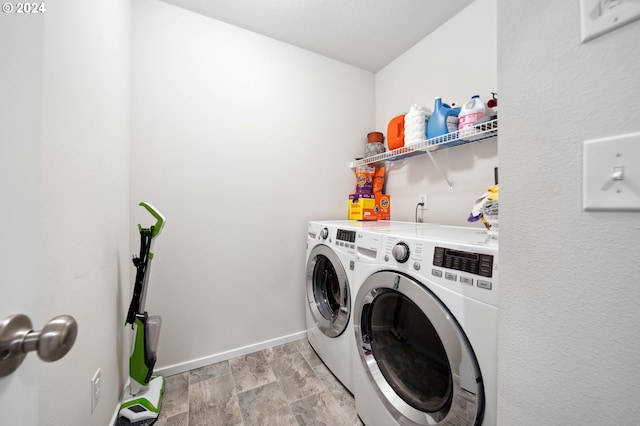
<point>415,353</point>
<point>328,293</point>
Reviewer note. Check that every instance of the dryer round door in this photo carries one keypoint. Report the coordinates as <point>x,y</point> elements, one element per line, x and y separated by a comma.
<point>328,294</point>
<point>415,353</point>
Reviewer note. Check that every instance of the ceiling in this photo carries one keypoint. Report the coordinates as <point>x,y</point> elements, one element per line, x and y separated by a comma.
<point>368,34</point>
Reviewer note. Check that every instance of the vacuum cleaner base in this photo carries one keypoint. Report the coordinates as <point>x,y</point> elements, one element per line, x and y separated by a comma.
<point>142,409</point>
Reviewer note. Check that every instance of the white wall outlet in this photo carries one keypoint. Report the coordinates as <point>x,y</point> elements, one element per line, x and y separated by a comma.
<point>422,198</point>
<point>611,173</point>
<point>96,387</point>
<point>598,17</point>
<point>421,207</point>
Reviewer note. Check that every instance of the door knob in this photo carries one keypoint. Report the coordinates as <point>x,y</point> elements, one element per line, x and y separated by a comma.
<point>17,338</point>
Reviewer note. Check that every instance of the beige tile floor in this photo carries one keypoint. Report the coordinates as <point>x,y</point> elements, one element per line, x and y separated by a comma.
<point>284,385</point>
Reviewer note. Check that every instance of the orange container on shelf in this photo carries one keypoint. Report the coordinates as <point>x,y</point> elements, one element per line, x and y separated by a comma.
<point>395,133</point>
<point>374,137</point>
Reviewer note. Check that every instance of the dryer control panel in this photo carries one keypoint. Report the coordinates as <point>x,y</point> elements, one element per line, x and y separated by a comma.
<point>470,269</point>
<point>465,261</point>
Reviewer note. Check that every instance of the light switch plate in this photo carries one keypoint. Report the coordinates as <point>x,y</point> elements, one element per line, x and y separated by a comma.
<point>611,173</point>
<point>598,17</point>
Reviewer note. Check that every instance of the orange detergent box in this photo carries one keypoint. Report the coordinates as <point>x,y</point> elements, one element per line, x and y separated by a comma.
<point>369,207</point>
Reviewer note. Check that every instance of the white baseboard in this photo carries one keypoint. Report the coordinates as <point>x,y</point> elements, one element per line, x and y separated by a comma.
<point>212,359</point>
<point>224,356</point>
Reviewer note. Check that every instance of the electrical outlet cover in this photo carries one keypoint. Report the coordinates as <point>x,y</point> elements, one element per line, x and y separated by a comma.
<point>422,198</point>
<point>96,385</point>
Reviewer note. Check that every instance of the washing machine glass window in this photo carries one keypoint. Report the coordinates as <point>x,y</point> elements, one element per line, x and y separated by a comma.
<point>409,352</point>
<point>415,353</point>
<point>328,291</point>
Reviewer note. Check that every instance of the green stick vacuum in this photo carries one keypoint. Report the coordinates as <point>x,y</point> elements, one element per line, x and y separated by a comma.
<point>143,398</point>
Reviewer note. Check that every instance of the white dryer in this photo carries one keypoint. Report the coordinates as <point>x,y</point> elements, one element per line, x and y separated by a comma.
<point>425,323</point>
<point>329,271</point>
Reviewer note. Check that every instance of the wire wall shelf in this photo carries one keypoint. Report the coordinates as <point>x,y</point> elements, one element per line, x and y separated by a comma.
<point>479,132</point>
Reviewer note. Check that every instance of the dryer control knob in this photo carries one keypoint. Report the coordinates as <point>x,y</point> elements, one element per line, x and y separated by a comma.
<point>400,252</point>
<point>324,233</point>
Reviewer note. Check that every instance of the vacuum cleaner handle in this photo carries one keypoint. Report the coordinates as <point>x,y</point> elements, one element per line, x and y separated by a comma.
<point>160,220</point>
<point>142,262</point>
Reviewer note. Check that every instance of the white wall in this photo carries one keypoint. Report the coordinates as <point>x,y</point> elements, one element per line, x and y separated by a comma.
<point>239,140</point>
<point>456,61</point>
<point>570,305</point>
<point>85,205</point>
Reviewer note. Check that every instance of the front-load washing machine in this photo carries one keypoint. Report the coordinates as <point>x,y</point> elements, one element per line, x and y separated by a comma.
<point>332,248</point>
<point>329,271</point>
<point>425,322</point>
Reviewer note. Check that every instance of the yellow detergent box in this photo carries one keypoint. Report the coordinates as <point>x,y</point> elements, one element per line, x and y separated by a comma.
<point>369,207</point>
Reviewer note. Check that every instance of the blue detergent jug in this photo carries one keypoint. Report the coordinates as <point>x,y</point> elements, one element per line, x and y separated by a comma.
<point>437,125</point>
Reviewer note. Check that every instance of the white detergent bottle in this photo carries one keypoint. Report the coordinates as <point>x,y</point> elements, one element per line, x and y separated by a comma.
<point>415,124</point>
<point>471,111</point>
